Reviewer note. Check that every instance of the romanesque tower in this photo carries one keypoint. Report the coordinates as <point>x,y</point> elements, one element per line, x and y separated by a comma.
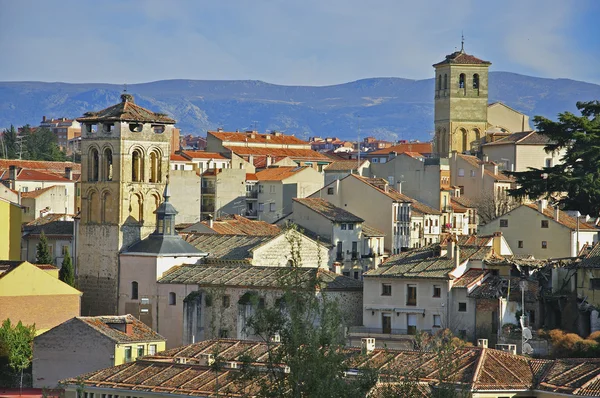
<point>461,101</point>
<point>125,161</point>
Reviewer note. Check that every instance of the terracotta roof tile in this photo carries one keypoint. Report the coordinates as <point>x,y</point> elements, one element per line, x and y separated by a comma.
<point>202,155</point>
<point>410,147</point>
<point>177,158</point>
<point>139,330</point>
<point>126,110</point>
<point>39,165</point>
<point>460,57</point>
<point>470,278</point>
<point>279,173</point>
<point>226,247</point>
<point>476,163</point>
<point>345,165</point>
<point>38,192</point>
<point>277,154</point>
<point>35,175</point>
<point>238,225</point>
<point>255,137</point>
<point>523,138</point>
<point>371,231</point>
<point>328,210</point>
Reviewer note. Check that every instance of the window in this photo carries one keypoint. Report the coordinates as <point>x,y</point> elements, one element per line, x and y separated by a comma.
<point>386,289</point>
<point>224,333</point>
<point>445,81</point>
<point>272,188</point>
<point>344,227</point>
<point>272,207</point>
<point>152,349</point>
<point>437,321</point>
<point>520,244</point>
<point>475,81</point>
<point>544,244</point>
<point>137,166</point>
<point>65,249</point>
<point>356,275</point>
<point>437,291</point>
<point>261,207</point>
<point>504,223</point>
<point>411,295</point>
<point>329,191</point>
<point>134,290</point>
<point>128,354</point>
<point>472,173</point>
<point>24,189</point>
<point>350,226</point>
<point>261,302</point>
<point>461,81</point>
<point>140,350</point>
<point>261,188</point>
<point>544,223</point>
<point>439,82</point>
<point>595,283</point>
<point>226,301</point>
<point>461,172</point>
<point>462,307</point>
<point>548,162</point>
<point>172,298</point>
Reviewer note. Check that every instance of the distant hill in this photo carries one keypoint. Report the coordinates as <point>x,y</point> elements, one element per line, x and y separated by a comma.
<point>389,108</point>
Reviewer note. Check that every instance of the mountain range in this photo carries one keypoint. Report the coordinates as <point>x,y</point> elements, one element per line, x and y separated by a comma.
<point>387,108</point>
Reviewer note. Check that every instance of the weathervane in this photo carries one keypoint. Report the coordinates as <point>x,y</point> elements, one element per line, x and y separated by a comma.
<point>462,42</point>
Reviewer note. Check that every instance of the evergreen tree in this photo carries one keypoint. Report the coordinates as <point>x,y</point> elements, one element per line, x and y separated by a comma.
<point>9,148</point>
<point>574,184</point>
<point>43,251</point>
<point>67,273</point>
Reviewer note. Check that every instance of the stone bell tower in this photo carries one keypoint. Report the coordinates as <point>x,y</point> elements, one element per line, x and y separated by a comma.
<point>124,166</point>
<point>461,101</point>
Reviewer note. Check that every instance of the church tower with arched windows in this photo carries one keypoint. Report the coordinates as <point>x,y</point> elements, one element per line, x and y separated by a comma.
<point>461,103</point>
<point>125,161</point>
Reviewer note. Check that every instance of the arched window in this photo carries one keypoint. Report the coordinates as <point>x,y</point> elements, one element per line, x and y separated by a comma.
<point>439,82</point>
<point>93,165</point>
<point>136,207</point>
<point>93,207</point>
<point>172,298</point>
<point>445,81</point>
<point>134,290</point>
<point>475,80</point>
<point>105,206</point>
<point>108,165</point>
<point>461,81</point>
<point>155,167</point>
<point>465,140</point>
<point>137,166</point>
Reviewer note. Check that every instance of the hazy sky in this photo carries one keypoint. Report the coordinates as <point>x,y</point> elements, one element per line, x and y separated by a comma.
<point>309,42</point>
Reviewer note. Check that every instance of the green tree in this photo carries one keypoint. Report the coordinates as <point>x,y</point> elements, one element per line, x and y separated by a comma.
<point>9,148</point>
<point>43,251</point>
<point>16,345</point>
<point>40,144</point>
<point>67,273</point>
<point>574,184</point>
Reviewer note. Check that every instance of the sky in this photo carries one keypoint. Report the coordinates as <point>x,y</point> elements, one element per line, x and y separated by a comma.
<point>292,42</point>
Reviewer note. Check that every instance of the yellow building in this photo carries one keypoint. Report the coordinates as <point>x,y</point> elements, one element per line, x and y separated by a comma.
<point>10,231</point>
<point>33,294</point>
<point>86,344</point>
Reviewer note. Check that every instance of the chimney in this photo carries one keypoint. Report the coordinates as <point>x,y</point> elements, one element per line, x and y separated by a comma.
<point>485,158</point>
<point>495,168</point>
<point>556,213</point>
<point>482,167</point>
<point>392,155</point>
<point>497,242</point>
<point>483,343</point>
<point>12,172</point>
<point>512,167</point>
<point>210,221</point>
<point>128,328</point>
<point>251,159</point>
<point>456,256</point>
<point>337,267</point>
<point>68,173</point>
<point>219,129</point>
<point>542,204</point>
<point>399,186</point>
<point>367,345</point>
<point>269,160</point>
<point>43,119</point>
<point>450,246</point>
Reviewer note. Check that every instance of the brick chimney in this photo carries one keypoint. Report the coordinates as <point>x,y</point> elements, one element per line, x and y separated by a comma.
<point>128,328</point>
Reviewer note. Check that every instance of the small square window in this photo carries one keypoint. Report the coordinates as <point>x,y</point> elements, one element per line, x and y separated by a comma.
<point>462,307</point>
<point>224,333</point>
<point>226,301</point>
<point>520,243</point>
<point>461,172</point>
<point>595,283</point>
<point>261,188</point>
<point>344,227</point>
<point>272,207</point>
<point>544,244</point>
<point>472,173</point>
<point>544,223</point>
<point>330,191</point>
<point>437,291</point>
<point>386,289</point>
<point>350,226</point>
<point>503,223</point>
<point>437,321</point>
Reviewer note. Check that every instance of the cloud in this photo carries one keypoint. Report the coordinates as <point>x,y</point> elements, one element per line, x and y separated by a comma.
<point>311,42</point>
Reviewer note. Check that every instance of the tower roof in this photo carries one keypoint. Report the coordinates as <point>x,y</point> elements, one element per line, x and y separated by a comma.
<point>462,58</point>
<point>128,111</point>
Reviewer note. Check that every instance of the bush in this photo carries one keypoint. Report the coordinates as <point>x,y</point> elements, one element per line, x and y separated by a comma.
<point>595,336</point>
<point>571,345</point>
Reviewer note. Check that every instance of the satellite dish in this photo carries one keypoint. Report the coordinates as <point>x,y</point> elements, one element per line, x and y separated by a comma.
<point>527,349</point>
<point>527,334</point>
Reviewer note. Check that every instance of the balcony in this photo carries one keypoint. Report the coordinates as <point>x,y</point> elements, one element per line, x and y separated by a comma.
<point>252,195</point>
<point>208,208</point>
<point>355,255</point>
<point>208,190</point>
<point>411,331</point>
<point>339,257</point>
<point>251,213</point>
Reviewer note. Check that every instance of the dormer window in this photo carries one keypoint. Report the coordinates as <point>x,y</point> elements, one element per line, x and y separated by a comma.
<point>158,128</point>
<point>135,127</point>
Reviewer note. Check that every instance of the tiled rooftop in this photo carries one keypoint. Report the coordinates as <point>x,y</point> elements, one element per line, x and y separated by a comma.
<point>202,155</point>
<point>39,165</point>
<point>34,175</point>
<point>238,225</point>
<point>126,110</point>
<point>411,147</point>
<point>226,247</point>
<point>328,210</point>
<point>475,162</point>
<point>51,228</point>
<point>368,230</point>
<point>345,165</point>
<point>107,325</point>
<point>7,266</point>
<point>470,278</point>
<point>277,154</point>
<point>523,138</point>
<point>279,173</point>
<point>255,276</point>
<point>477,369</point>
<point>255,137</point>
<point>460,57</point>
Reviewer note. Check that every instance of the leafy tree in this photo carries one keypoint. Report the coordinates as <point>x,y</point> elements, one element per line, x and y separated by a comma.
<point>9,148</point>
<point>16,344</point>
<point>40,144</point>
<point>67,273</point>
<point>574,184</point>
<point>43,251</point>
